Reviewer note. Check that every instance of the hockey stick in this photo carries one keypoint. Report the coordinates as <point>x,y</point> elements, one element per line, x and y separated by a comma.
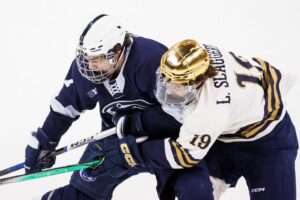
<point>59,151</point>
<point>50,172</point>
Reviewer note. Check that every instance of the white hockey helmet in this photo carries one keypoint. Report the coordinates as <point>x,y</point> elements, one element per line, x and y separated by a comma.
<point>100,36</point>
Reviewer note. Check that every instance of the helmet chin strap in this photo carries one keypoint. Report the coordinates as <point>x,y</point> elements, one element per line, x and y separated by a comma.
<point>116,67</point>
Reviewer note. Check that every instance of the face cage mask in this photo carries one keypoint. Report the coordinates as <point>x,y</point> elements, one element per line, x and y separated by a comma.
<point>97,77</point>
<point>173,95</point>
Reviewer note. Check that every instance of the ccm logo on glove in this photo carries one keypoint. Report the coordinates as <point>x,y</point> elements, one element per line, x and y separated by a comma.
<point>125,150</point>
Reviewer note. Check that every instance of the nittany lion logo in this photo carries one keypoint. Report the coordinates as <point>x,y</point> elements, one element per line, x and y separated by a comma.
<point>137,104</point>
<point>84,175</point>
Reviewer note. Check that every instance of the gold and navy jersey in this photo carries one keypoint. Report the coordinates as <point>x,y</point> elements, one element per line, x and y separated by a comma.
<point>244,102</point>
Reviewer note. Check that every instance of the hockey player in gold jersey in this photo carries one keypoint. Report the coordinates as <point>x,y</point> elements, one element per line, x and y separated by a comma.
<point>233,115</point>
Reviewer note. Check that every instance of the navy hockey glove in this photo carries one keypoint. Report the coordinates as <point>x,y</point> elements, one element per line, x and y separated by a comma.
<point>38,147</point>
<point>119,156</point>
<point>130,125</point>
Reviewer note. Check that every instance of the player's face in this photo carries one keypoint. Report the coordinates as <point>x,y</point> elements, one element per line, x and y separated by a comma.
<point>101,63</point>
<point>99,68</point>
<point>172,94</point>
<point>176,90</point>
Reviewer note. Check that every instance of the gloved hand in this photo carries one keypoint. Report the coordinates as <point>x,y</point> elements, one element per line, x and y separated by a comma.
<point>130,124</point>
<point>39,146</point>
<point>119,156</point>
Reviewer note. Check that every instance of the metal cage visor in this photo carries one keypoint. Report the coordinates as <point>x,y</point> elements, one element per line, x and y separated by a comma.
<point>98,77</point>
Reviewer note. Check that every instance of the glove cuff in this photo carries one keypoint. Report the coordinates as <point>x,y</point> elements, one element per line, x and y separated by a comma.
<point>129,148</point>
<point>136,124</point>
<point>44,142</point>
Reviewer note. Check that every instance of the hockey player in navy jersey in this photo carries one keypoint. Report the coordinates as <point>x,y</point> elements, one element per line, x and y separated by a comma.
<point>116,70</point>
<point>229,101</point>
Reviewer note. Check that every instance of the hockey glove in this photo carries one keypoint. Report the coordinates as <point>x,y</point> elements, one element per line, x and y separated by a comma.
<point>119,156</point>
<point>130,125</point>
<point>39,146</point>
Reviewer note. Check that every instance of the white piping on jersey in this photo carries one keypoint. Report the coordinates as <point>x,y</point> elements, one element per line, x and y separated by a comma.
<point>50,195</point>
<point>170,156</point>
<point>114,88</point>
<point>68,111</point>
<point>122,104</point>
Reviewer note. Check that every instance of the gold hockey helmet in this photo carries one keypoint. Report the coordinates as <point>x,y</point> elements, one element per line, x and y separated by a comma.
<point>184,62</point>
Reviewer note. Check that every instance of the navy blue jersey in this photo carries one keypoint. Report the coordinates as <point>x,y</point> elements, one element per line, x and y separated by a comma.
<point>133,89</point>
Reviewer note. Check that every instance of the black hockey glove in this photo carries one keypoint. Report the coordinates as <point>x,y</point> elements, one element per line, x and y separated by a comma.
<point>130,125</point>
<point>39,146</point>
<point>120,155</point>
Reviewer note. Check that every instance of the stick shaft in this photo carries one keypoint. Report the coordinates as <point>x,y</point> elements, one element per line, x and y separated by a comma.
<point>92,138</point>
<point>50,172</point>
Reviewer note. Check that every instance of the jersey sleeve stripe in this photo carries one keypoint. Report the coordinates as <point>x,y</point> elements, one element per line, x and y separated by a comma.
<point>181,157</point>
<point>68,111</point>
<point>170,155</point>
<point>273,102</point>
<point>188,157</point>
